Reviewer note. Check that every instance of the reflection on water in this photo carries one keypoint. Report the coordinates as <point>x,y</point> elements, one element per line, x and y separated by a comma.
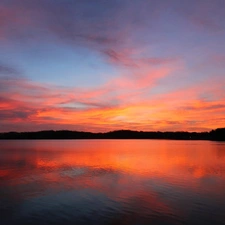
<point>112,182</point>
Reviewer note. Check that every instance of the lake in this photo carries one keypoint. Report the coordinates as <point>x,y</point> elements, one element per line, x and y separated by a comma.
<point>98,182</point>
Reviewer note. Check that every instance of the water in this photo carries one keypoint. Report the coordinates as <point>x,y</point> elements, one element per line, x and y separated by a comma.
<point>112,182</point>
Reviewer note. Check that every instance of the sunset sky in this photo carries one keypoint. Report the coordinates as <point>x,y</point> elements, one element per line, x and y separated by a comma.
<point>102,65</point>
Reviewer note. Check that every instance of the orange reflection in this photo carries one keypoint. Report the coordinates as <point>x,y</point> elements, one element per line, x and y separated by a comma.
<point>137,173</point>
<point>141,157</point>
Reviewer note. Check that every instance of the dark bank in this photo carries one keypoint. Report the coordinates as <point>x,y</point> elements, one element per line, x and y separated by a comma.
<point>216,135</point>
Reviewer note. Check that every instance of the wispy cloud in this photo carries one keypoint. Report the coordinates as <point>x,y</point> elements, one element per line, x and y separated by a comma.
<point>168,55</point>
<point>102,109</point>
<point>6,70</point>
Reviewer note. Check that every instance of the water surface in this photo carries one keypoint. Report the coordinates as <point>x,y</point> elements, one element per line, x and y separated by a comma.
<point>112,182</point>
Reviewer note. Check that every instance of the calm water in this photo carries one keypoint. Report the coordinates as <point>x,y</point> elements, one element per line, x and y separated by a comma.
<point>112,182</point>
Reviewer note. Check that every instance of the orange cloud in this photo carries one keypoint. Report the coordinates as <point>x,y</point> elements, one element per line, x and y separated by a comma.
<point>110,107</point>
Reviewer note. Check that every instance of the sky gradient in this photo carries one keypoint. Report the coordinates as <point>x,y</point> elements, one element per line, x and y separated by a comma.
<point>102,65</point>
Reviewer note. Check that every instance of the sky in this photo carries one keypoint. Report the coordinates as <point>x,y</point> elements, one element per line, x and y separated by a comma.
<point>103,65</point>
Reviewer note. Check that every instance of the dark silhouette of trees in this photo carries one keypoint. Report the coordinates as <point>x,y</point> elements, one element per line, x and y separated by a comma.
<point>218,135</point>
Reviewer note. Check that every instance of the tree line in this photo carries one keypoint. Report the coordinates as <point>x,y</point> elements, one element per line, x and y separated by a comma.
<point>217,134</point>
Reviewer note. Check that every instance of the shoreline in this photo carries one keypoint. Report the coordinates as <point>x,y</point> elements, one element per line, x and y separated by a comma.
<point>213,135</point>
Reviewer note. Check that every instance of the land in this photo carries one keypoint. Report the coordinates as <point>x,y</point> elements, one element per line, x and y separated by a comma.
<point>216,135</point>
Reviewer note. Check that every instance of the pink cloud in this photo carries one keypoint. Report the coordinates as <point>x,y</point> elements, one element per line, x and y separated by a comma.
<point>119,104</point>
<point>124,101</point>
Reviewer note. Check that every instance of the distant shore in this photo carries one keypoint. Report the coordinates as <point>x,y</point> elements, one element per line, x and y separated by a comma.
<point>217,135</point>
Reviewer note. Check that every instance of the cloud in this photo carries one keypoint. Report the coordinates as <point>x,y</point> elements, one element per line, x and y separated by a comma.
<point>6,70</point>
<point>107,27</point>
<point>127,57</point>
<point>137,42</point>
<point>21,114</point>
<point>119,104</point>
<point>211,106</point>
<point>206,15</point>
